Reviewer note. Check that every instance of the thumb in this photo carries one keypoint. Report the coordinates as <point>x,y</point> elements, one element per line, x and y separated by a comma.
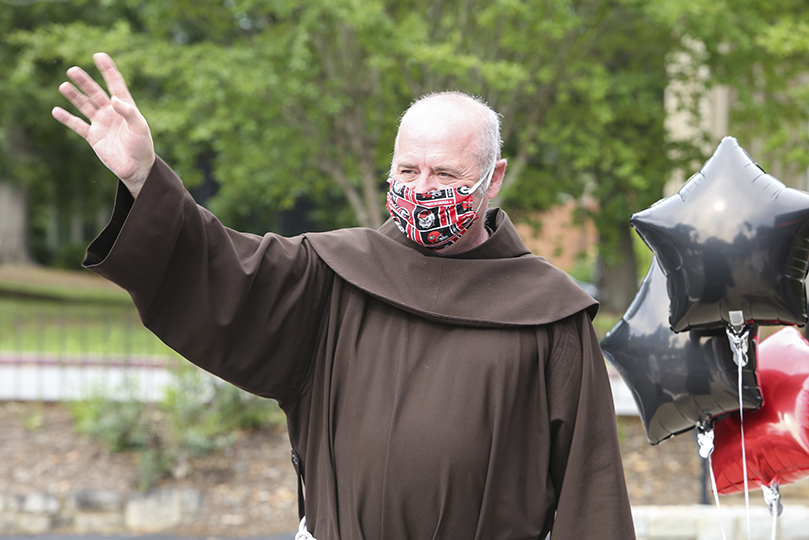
<point>131,114</point>
<point>127,110</point>
<point>120,107</point>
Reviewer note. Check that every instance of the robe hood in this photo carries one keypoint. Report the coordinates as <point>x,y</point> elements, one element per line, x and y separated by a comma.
<point>498,283</point>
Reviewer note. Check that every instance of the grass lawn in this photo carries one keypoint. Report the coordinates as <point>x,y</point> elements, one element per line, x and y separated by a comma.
<point>70,312</point>
<point>72,328</point>
<point>65,313</point>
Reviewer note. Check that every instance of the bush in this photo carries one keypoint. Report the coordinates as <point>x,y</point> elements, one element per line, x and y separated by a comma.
<point>120,425</point>
<point>197,416</point>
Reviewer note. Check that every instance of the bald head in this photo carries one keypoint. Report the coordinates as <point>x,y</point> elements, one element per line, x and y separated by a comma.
<point>454,116</point>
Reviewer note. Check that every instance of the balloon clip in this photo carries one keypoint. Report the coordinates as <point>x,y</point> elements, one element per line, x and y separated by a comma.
<point>736,320</point>
<point>705,437</point>
<point>772,496</point>
<point>738,334</point>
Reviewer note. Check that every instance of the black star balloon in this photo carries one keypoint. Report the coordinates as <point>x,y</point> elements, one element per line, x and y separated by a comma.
<point>733,239</point>
<point>679,381</point>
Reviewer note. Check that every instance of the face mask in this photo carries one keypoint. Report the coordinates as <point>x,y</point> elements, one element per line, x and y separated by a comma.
<point>434,219</point>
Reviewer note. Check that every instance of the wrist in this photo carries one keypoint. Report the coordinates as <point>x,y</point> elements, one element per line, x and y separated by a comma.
<point>135,182</point>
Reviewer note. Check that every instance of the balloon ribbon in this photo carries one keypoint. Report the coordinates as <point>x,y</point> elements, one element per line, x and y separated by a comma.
<point>705,438</point>
<point>772,495</point>
<point>738,334</point>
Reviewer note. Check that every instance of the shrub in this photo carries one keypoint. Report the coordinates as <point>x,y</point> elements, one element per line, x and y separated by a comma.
<point>198,415</point>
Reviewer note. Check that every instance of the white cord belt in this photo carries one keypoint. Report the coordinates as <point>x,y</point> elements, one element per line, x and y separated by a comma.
<point>303,533</point>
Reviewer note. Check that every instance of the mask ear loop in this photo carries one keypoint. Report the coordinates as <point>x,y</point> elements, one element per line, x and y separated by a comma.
<point>488,179</point>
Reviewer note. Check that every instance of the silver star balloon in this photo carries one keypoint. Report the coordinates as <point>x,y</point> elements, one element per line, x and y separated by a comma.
<point>734,239</point>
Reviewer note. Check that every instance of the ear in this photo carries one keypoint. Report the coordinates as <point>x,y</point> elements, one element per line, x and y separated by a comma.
<point>497,179</point>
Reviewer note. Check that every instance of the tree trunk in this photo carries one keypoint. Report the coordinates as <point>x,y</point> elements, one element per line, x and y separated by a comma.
<point>618,283</point>
<point>13,225</point>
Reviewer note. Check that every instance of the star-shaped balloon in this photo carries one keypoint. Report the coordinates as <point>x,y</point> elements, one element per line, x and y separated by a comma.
<point>776,437</point>
<point>734,239</point>
<point>679,381</point>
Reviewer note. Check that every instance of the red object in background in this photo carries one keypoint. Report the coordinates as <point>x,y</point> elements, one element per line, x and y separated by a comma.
<point>777,435</point>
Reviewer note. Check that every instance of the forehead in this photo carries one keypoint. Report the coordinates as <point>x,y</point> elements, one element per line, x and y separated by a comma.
<point>438,133</point>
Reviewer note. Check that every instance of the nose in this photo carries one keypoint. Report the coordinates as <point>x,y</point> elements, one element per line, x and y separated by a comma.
<point>425,182</point>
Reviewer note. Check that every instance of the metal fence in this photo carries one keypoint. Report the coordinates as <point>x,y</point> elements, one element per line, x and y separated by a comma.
<point>63,356</point>
<point>59,355</point>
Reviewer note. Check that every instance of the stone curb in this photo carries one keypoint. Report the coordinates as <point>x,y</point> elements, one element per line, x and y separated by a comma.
<point>103,511</point>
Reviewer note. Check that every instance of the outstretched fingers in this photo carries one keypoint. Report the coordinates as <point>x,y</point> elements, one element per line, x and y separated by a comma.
<point>88,86</point>
<point>73,122</point>
<point>115,81</point>
<point>79,100</point>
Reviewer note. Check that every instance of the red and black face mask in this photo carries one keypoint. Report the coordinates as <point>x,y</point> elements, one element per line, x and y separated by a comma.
<point>434,219</point>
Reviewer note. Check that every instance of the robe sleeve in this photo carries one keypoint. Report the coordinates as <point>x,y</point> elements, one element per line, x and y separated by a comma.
<point>585,463</point>
<point>243,307</point>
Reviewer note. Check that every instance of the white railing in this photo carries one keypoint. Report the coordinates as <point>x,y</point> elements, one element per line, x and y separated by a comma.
<point>35,376</point>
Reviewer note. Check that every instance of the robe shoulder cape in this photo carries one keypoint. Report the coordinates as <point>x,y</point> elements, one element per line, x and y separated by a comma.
<point>458,397</point>
<point>517,287</point>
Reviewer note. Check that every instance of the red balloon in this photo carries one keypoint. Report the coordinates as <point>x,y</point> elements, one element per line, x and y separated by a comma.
<point>776,437</point>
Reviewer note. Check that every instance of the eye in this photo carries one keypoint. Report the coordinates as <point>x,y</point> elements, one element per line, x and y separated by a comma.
<point>446,176</point>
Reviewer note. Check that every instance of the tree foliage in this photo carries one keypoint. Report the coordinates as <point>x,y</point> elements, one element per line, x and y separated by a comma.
<point>760,51</point>
<point>275,102</point>
<point>279,100</point>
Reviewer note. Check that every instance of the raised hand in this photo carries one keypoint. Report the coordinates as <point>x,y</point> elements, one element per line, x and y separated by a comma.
<point>117,132</point>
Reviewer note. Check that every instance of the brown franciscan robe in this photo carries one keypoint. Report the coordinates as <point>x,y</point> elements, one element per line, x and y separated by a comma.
<point>429,397</point>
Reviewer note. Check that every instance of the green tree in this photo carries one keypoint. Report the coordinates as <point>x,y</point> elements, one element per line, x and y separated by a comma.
<point>287,100</point>
<point>283,100</point>
<point>604,136</point>
<point>760,51</point>
<point>55,172</point>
